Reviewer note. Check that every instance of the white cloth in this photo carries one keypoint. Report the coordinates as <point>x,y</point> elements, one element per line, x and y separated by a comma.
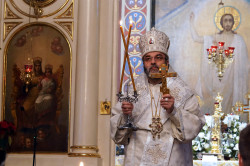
<point>45,98</point>
<point>234,84</point>
<point>179,128</point>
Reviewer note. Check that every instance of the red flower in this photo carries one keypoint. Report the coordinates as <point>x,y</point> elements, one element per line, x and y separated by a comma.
<point>4,124</point>
<point>7,128</point>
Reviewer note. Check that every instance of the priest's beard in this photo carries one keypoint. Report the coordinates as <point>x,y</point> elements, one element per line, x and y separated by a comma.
<point>151,71</point>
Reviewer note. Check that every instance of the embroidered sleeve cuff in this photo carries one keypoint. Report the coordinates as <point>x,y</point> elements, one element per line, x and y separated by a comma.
<point>175,118</point>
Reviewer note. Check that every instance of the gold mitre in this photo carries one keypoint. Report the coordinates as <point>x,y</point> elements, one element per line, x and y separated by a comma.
<point>37,60</point>
<point>48,66</point>
<point>154,40</point>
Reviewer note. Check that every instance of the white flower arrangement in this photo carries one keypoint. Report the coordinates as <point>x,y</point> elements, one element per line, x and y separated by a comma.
<point>201,144</point>
<point>230,137</point>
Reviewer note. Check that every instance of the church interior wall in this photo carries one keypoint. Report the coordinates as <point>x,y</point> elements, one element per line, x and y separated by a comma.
<point>107,63</point>
<point>107,71</point>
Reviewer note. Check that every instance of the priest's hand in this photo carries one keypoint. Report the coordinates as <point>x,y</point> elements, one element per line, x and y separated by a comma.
<point>127,108</point>
<point>167,102</point>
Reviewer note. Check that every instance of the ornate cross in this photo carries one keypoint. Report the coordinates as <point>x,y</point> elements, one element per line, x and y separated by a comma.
<point>156,126</point>
<point>163,74</point>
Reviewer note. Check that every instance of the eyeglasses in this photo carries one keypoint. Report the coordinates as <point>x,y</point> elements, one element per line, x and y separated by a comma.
<point>157,58</point>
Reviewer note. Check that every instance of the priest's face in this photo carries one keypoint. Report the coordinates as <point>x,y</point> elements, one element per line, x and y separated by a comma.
<point>152,62</point>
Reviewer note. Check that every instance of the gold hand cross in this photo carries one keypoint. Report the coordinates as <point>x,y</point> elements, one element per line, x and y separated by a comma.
<point>163,74</point>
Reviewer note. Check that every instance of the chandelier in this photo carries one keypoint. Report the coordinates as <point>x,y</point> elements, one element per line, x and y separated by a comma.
<point>220,57</point>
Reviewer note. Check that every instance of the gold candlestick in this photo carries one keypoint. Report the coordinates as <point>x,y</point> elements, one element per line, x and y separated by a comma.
<point>216,131</point>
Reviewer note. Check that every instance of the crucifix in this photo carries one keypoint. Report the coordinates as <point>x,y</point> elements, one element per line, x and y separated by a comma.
<point>163,74</point>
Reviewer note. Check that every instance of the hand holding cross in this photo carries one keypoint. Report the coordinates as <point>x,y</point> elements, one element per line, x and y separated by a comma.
<point>163,74</point>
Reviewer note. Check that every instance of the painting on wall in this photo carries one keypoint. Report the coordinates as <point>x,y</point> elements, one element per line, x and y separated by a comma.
<point>37,89</point>
<point>193,26</point>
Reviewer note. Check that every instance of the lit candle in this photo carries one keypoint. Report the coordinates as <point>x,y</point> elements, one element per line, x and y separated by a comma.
<point>123,37</point>
<point>226,52</point>
<point>124,60</point>
<point>231,50</point>
<point>28,68</point>
<point>214,48</point>
<point>81,164</point>
<point>221,44</point>
<point>129,65</point>
<point>126,56</point>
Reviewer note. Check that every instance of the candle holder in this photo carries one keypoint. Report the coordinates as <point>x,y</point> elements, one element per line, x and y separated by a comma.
<point>134,98</point>
<point>220,57</point>
<point>27,76</point>
<point>216,130</point>
<point>129,121</point>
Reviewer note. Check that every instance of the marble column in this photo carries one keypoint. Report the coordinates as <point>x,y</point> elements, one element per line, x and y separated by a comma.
<point>86,81</point>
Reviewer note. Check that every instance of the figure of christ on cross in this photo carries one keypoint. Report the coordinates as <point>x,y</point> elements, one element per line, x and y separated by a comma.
<point>163,74</point>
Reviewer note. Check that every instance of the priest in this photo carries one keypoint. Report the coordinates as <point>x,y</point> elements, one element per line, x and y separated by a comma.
<point>166,123</point>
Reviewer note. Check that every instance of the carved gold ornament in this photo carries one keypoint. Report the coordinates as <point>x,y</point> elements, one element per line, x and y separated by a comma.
<point>8,13</point>
<point>41,3</point>
<point>8,27</point>
<point>69,13</point>
<point>38,5</point>
<point>68,26</point>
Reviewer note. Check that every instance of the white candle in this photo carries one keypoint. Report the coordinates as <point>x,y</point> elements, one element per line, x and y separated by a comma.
<point>81,164</point>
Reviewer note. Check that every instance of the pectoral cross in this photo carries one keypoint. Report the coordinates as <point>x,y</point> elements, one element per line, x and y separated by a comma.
<point>163,74</point>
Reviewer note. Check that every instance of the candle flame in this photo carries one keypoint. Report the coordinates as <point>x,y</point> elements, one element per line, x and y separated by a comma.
<point>120,22</point>
<point>81,164</point>
<point>130,22</point>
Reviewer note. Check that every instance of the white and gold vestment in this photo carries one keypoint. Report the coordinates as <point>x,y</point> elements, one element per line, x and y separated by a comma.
<point>174,147</point>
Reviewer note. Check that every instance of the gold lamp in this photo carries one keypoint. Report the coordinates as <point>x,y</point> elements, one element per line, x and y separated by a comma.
<point>220,57</point>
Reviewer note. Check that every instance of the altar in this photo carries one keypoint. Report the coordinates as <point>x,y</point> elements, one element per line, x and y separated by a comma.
<point>218,163</point>
<point>119,162</point>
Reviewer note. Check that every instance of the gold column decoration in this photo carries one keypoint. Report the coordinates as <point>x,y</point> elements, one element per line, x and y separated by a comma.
<point>216,130</point>
<point>69,13</point>
<point>8,13</point>
<point>8,27</point>
<point>68,26</point>
<point>85,154</point>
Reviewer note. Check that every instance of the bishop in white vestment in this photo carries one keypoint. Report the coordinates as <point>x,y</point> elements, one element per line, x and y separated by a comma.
<point>181,123</point>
